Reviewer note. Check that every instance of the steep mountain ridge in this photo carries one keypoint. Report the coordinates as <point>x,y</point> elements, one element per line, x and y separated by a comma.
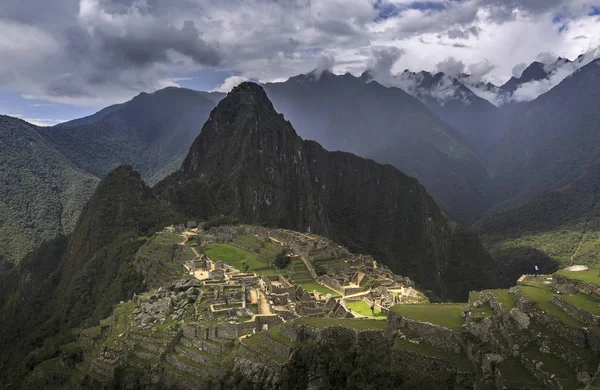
<point>152,132</point>
<point>249,162</point>
<point>41,192</point>
<point>392,127</point>
<point>550,139</point>
<point>70,282</point>
<point>454,103</point>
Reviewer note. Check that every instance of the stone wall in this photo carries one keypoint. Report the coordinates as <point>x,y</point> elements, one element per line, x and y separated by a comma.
<point>571,286</point>
<point>273,345</point>
<point>574,311</point>
<point>434,335</point>
<point>576,336</point>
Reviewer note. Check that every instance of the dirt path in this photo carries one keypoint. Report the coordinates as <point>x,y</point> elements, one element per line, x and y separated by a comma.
<point>578,246</point>
<point>264,304</point>
<point>253,296</point>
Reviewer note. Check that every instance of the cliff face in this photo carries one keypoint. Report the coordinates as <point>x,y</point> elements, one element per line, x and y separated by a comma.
<point>249,162</point>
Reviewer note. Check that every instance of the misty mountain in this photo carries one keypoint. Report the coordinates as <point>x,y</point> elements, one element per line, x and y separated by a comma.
<point>248,162</point>
<point>41,191</point>
<point>550,139</point>
<point>152,132</point>
<point>390,126</point>
<point>534,72</point>
<point>453,102</point>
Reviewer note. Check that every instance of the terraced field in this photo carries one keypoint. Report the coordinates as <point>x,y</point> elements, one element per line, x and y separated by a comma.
<point>161,259</point>
<point>445,315</point>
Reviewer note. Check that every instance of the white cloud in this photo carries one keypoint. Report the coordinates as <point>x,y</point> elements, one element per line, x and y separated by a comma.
<point>230,83</point>
<point>112,49</point>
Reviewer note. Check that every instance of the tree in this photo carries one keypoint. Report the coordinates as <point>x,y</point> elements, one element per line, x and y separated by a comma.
<point>245,266</point>
<point>281,260</point>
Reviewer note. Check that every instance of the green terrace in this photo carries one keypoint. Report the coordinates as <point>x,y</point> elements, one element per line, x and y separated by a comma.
<point>351,323</point>
<point>516,376</point>
<point>461,361</point>
<point>447,315</point>
<point>543,298</point>
<point>584,302</point>
<point>362,308</point>
<point>162,258</point>
<point>565,374</point>
<point>589,276</point>
<point>235,256</point>
<point>506,299</point>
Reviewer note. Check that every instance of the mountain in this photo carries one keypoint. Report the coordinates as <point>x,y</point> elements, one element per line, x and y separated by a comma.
<point>41,191</point>
<point>556,229</point>
<point>550,139</point>
<point>453,102</point>
<point>248,162</point>
<point>152,132</point>
<point>392,127</point>
<point>71,282</point>
<point>534,72</point>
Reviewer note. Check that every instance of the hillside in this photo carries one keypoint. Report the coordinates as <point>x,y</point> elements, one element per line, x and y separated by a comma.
<point>454,103</point>
<point>550,139</point>
<point>151,132</point>
<point>391,127</point>
<point>41,191</point>
<point>68,282</point>
<point>248,162</point>
<point>556,229</point>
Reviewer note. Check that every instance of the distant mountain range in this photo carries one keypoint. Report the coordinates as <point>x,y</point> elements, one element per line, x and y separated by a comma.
<point>473,157</point>
<point>151,132</point>
<point>392,127</point>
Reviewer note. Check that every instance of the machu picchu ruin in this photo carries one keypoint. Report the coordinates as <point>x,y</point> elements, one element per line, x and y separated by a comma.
<point>267,307</point>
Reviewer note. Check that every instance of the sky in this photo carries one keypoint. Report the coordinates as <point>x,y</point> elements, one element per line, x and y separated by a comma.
<point>63,59</point>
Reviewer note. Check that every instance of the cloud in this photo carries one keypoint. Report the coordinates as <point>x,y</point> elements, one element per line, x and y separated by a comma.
<point>98,52</point>
<point>518,69</point>
<point>451,66</point>
<point>230,83</point>
<point>325,63</point>
<point>382,61</point>
<point>560,71</point>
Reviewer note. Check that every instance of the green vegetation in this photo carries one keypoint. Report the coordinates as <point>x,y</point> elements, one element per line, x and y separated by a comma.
<point>362,308</point>
<point>161,259</point>
<point>515,374</point>
<point>505,298</point>
<point>235,257</point>
<point>281,260</point>
<point>446,315</point>
<point>591,276</point>
<point>42,193</point>
<point>584,302</point>
<point>220,220</point>
<point>566,375</point>
<point>543,299</point>
<point>310,285</point>
<point>460,360</point>
<point>352,323</point>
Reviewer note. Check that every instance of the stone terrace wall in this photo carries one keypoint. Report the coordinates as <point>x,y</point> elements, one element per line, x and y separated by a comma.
<point>574,311</point>
<point>434,335</point>
<point>576,336</point>
<point>570,286</point>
